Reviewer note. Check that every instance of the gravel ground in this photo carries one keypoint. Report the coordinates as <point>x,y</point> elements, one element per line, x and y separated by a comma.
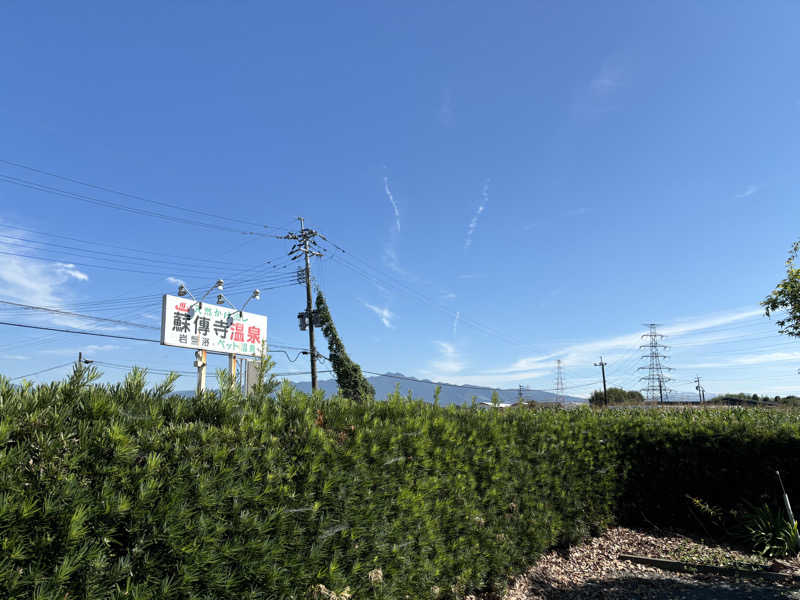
<point>592,570</point>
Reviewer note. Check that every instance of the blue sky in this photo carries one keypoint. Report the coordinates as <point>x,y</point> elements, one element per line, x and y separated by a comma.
<point>512,184</point>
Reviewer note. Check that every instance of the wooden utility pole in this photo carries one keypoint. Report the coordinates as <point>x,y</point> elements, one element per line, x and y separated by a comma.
<point>602,366</point>
<point>309,311</point>
<point>304,240</point>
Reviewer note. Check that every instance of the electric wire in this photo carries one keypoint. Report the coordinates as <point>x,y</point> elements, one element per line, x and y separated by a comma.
<point>134,196</point>
<point>42,371</point>
<point>78,315</point>
<point>133,210</point>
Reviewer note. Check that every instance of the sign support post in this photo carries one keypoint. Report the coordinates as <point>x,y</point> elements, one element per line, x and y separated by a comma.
<point>200,363</point>
<point>232,365</point>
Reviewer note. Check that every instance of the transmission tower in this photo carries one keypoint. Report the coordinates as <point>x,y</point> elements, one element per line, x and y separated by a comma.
<point>558,388</point>
<point>655,389</point>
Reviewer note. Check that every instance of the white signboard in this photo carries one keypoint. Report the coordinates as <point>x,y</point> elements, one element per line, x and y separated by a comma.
<point>207,326</point>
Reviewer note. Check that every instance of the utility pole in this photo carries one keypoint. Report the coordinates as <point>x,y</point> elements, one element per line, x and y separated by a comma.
<point>602,366</point>
<point>701,393</point>
<point>304,240</point>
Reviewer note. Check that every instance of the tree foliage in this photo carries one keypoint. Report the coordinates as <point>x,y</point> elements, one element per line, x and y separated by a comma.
<point>352,383</point>
<point>786,296</point>
<point>616,396</point>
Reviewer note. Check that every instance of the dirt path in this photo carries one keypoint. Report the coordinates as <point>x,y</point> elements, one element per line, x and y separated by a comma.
<point>592,570</point>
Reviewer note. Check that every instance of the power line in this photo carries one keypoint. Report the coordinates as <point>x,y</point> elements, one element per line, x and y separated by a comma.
<point>73,314</point>
<point>120,337</point>
<point>79,332</point>
<point>42,371</point>
<point>135,196</point>
<point>107,245</point>
<point>115,205</point>
<point>392,282</point>
<point>91,265</point>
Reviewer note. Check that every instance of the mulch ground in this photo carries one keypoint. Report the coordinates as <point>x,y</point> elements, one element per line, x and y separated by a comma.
<point>593,570</point>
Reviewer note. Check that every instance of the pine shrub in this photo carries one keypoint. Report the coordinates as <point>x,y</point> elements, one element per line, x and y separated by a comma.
<point>112,491</point>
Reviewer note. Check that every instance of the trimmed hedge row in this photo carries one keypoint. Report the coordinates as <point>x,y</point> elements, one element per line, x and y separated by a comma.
<point>117,491</point>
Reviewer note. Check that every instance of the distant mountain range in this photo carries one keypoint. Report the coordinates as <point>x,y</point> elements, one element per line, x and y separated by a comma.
<point>450,394</point>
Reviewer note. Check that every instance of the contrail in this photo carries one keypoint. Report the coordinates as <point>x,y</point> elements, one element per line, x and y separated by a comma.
<point>473,225</point>
<point>391,199</point>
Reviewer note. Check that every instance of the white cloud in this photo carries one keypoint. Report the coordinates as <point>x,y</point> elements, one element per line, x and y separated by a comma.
<point>750,359</point>
<point>455,323</point>
<point>69,269</point>
<point>473,224</point>
<point>751,189</point>
<point>391,199</point>
<point>587,352</point>
<point>385,314</point>
<point>607,80</point>
<point>32,281</point>
<point>449,362</point>
<point>14,357</point>
<point>176,281</point>
<point>575,212</point>
<point>599,94</point>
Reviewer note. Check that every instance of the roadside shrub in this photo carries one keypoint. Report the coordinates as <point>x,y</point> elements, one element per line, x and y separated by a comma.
<point>112,491</point>
<point>120,491</point>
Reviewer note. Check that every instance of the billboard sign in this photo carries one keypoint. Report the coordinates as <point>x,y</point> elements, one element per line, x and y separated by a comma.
<point>207,326</point>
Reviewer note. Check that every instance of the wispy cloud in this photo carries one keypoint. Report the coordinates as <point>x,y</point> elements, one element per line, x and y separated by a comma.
<point>14,357</point>
<point>175,281</point>
<point>473,224</point>
<point>749,191</point>
<point>607,80</point>
<point>32,281</point>
<point>449,362</point>
<point>586,352</point>
<point>455,323</point>
<point>70,270</point>
<point>750,359</point>
<point>391,199</point>
<point>386,316</point>
<point>575,212</point>
<point>600,93</point>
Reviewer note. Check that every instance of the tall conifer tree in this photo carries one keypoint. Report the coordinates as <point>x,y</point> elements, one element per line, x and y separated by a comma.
<point>352,383</point>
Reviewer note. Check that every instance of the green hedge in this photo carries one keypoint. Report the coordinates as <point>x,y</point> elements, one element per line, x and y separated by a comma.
<point>118,491</point>
<point>724,456</point>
